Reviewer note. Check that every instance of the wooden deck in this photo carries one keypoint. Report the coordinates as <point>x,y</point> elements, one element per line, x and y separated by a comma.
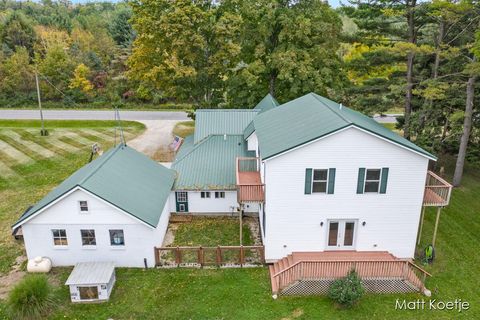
<point>313,272</point>
<point>249,183</point>
<point>437,191</point>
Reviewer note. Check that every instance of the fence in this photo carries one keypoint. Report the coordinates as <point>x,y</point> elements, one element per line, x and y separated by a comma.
<point>220,256</point>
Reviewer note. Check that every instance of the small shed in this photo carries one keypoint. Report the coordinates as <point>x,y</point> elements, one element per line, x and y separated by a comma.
<point>91,281</point>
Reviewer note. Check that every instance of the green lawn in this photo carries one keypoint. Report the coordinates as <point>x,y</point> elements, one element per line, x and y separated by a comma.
<point>234,293</point>
<point>184,128</point>
<point>31,165</point>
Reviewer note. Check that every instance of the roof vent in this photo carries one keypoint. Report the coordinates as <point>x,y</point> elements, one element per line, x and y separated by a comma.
<point>225,137</point>
<point>341,106</point>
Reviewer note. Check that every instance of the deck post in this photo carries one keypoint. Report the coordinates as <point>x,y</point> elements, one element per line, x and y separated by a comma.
<point>436,226</point>
<point>422,215</point>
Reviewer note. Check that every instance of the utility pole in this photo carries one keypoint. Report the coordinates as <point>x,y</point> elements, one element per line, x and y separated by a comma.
<point>43,132</point>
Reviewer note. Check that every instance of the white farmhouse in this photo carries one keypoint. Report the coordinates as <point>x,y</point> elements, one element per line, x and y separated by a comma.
<point>114,209</point>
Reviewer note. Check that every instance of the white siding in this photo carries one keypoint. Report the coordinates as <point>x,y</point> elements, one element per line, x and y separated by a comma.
<point>102,217</point>
<point>212,205</point>
<point>293,218</point>
<point>252,142</point>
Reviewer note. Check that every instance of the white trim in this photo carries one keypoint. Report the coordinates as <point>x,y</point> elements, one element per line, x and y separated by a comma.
<point>88,192</point>
<point>343,129</point>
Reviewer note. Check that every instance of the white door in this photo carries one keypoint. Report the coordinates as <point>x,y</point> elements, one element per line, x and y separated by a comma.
<point>341,234</point>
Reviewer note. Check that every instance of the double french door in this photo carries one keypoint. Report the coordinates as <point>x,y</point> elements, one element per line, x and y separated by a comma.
<point>341,234</point>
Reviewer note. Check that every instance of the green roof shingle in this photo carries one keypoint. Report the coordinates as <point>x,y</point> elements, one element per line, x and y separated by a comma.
<point>209,164</point>
<point>123,177</point>
<point>310,117</point>
<point>221,121</point>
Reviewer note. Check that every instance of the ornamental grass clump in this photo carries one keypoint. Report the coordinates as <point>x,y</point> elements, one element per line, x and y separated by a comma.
<point>31,298</point>
<point>347,291</point>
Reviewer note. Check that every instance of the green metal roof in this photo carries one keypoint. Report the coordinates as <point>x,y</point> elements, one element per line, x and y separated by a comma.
<point>267,103</point>
<point>221,121</point>
<point>123,177</point>
<point>248,130</point>
<point>210,164</point>
<point>310,117</point>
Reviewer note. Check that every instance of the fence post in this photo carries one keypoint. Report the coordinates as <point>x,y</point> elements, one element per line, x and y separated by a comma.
<point>157,256</point>
<point>219,256</point>
<point>178,256</point>
<point>242,256</point>
<point>262,254</point>
<point>200,256</point>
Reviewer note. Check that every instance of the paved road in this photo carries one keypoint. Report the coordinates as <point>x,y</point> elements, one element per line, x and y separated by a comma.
<point>93,115</point>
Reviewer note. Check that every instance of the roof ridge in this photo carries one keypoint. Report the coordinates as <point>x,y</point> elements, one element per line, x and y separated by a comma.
<point>341,116</point>
<point>228,110</point>
<point>88,176</point>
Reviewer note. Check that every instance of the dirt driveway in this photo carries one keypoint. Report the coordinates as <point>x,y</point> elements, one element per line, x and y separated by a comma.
<point>156,139</point>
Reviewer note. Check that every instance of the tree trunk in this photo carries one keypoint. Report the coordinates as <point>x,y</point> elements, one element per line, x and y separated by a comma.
<point>467,126</point>
<point>412,38</point>
<point>272,82</point>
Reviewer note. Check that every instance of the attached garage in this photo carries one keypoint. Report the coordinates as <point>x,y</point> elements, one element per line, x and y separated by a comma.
<point>91,281</point>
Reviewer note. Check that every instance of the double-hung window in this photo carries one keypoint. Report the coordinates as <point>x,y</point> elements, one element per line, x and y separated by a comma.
<point>88,237</point>
<point>372,180</point>
<point>83,206</point>
<point>219,194</point>
<point>117,238</point>
<point>205,194</point>
<point>319,181</point>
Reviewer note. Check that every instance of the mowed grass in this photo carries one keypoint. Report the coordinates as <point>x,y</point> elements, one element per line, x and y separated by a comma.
<point>31,166</point>
<point>184,128</point>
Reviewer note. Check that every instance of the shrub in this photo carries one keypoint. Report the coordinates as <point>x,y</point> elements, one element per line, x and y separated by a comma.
<point>348,290</point>
<point>31,298</point>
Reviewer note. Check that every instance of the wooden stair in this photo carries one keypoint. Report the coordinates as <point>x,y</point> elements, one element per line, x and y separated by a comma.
<point>380,271</point>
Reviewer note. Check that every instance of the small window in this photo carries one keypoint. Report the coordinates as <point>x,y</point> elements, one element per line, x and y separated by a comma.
<point>117,238</point>
<point>205,194</point>
<point>60,237</point>
<point>372,180</point>
<point>319,181</point>
<point>181,196</point>
<point>88,293</point>
<point>219,194</point>
<point>88,237</point>
<point>83,206</point>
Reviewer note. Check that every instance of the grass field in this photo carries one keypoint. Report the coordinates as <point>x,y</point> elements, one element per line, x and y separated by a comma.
<point>31,165</point>
<point>229,293</point>
<point>184,128</point>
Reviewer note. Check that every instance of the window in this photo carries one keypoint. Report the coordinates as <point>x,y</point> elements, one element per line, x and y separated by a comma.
<point>88,237</point>
<point>83,206</point>
<point>319,181</point>
<point>205,194</point>
<point>219,194</point>
<point>117,238</point>
<point>181,196</point>
<point>372,180</point>
<point>60,237</point>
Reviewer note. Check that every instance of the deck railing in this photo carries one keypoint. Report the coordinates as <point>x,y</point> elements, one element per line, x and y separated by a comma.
<point>366,269</point>
<point>249,185</point>
<point>209,256</point>
<point>437,191</point>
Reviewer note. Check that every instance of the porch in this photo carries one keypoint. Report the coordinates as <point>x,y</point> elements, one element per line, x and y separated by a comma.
<point>307,273</point>
<point>437,191</point>
<point>249,183</point>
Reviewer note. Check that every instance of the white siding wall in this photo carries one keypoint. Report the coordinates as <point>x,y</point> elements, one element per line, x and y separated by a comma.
<point>293,218</point>
<point>102,217</point>
<point>252,142</point>
<point>212,205</point>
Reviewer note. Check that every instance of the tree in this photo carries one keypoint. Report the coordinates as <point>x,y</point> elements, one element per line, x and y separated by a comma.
<point>288,48</point>
<point>17,31</point>
<point>80,79</point>
<point>16,74</point>
<point>120,29</point>
<point>184,49</point>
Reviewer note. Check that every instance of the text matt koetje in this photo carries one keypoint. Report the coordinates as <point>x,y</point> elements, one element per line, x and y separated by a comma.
<point>433,304</point>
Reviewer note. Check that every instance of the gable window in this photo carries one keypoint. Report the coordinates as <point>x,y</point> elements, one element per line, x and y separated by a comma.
<point>205,194</point>
<point>60,237</point>
<point>88,237</point>
<point>319,181</point>
<point>372,180</point>
<point>117,238</point>
<point>83,206</point>
<point>181,196</point>
<point>219,194</point>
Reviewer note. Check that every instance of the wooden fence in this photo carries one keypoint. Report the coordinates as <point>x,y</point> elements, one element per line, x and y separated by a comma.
<point>209,256</point>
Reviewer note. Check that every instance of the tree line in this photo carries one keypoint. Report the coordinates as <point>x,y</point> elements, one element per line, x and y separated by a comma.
<point>377,56</point>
